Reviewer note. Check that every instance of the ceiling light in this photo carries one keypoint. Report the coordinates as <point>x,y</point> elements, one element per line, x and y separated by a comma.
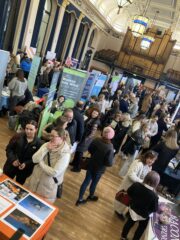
<point>146,42</point>
<point>139,25</point>
<point>123,3</point>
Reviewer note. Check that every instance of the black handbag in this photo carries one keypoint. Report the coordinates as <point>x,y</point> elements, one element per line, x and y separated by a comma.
<point>60,186</point>
<point>84,163</point>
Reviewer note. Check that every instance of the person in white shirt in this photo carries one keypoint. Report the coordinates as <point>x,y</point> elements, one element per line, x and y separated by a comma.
<point>17,87</point>
<point>136,173</point>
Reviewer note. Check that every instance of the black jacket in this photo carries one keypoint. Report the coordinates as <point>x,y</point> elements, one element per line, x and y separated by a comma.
<point>72,130</point>
<point>123,106</point>
<point>80,123</point>
<point>19,148</point>
<point>165,155</point>
<point>102,155</point>
<point>143,200</point>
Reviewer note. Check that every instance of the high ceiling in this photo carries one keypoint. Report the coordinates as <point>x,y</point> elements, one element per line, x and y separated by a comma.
<point>168,17</point>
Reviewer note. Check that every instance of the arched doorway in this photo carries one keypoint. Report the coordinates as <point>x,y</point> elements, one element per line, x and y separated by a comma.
<point>43,26</point>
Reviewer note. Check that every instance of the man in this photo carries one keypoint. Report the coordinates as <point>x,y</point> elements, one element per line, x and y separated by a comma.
<point>78,116</point>
<point>72,125</point>
<point>123,104</point>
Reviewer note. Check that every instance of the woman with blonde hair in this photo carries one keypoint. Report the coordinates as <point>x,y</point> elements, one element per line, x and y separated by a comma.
<point>51,160</point>
<point>167,150</point>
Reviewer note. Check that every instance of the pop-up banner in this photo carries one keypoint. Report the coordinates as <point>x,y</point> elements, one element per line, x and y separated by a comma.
<point>72,83</point>
<point>33,72</point>
<point>100,80</point>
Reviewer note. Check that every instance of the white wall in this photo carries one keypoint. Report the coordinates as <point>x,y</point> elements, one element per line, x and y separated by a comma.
<point>109,42</point>
<point>173,63</point>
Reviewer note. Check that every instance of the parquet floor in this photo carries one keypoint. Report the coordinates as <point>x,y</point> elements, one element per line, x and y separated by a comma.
<point>93,221</point>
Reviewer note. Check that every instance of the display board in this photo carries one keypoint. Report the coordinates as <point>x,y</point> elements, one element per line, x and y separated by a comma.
<point>88,87</point>
<point>72,84</point>
<point>20,208</point>
<point>4,59</point>
<point>46,113</point>
<point>114,83</point>
<point>33,72</point>
<point>100,80</point>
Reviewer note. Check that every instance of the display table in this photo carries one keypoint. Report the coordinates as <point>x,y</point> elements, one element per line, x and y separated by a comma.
<point>19,208</point>
<point>157,231</point>
<point>4,100</point>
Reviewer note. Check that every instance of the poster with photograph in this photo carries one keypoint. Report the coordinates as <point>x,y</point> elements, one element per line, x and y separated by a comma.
<point>4,205</point>
<point>12,191</point>
<point>18,219</point>
<point>36,207</point>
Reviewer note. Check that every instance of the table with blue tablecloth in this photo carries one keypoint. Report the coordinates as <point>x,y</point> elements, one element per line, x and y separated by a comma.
<point>4,102</point>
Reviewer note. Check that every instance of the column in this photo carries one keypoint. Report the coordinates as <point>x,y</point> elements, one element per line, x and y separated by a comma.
<point>58,25</point>
<point>75,35</point>
<point>87,42</point>
<point>30,23</point>
<point>19,26</point>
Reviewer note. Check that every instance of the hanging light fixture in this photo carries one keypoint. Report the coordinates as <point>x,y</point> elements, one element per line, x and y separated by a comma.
<point>140,22</point>
<point>139,26</point>
<point>123,3</point>
<point>147,40</point>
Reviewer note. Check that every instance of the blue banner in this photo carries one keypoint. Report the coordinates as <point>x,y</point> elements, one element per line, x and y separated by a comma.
<point>99,83</point>
<point>88,87</point>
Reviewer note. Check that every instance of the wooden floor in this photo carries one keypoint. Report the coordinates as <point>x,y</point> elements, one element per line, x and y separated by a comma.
<point>93,221</point>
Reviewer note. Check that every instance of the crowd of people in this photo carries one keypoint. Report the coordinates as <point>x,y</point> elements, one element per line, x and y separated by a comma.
<point>133,125</point>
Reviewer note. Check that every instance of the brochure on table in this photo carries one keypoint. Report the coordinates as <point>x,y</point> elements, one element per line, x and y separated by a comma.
<point>21,209</point>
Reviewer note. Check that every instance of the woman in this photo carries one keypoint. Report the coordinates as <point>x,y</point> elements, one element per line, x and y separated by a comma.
<point>102,154</point>
<point>146,103</point>
<point>58,104</point>
<point>121,130</point>
<point>132,146</point>
<point>17,87</point>
<point>162,127</point>
<point>102,103</point>
<point>144,201</point>
<point>136,173</point>
<point>19,153</point>
<point>133,107</point>
<point>60,122</point>
<point>110,114</point>
<point>90,129</point>
<point>167,150</point>
<point>51,161</point>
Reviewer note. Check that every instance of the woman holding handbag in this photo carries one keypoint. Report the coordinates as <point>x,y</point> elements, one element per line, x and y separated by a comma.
<point>137,172</point>
<point>52,160</point>
<point>144,201</point>
<point>102,154</point>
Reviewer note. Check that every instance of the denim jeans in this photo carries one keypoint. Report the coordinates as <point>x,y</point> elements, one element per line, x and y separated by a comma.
<point>90,177</point>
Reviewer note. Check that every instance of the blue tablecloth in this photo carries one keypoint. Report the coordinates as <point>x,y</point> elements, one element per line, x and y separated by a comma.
<point>4,101</point>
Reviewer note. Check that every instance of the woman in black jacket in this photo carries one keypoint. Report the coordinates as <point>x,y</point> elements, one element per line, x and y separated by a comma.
<point>143,202</point>
<point>90,128</point>
<point>166,150</point>
<point>102,154</point>
<point>19,153</point>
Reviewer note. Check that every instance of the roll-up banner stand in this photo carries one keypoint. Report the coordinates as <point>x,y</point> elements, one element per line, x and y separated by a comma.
<point>33,72</point>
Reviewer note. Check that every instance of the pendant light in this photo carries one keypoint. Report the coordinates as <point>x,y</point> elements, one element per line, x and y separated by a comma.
<point>123,3</point>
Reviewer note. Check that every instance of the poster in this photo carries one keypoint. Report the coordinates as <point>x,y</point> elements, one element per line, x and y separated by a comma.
<point>36,207</point>
<point>166,232</point>
<point>4,205</point>
<point>33,72</point>
<point>88,87</point>
<point>100,80</point>
<point>4,59</point>
<point>12,191</point>
<point>114,83</point>
<point>50,55</point>
<point>72,84</point>
<point>19,219</point>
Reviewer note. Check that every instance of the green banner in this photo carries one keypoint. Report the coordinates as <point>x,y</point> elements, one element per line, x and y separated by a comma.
<point>43,120</point>
<point>33,72</point>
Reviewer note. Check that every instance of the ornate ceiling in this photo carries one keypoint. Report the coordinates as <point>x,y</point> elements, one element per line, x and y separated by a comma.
<point>104,14</point>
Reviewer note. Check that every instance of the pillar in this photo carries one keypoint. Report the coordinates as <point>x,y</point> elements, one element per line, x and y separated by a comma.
<point>87,42</point>
<point>75,35</point>
<point>58,25</point>
<point>30,23</point>
<point>19,26</point>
